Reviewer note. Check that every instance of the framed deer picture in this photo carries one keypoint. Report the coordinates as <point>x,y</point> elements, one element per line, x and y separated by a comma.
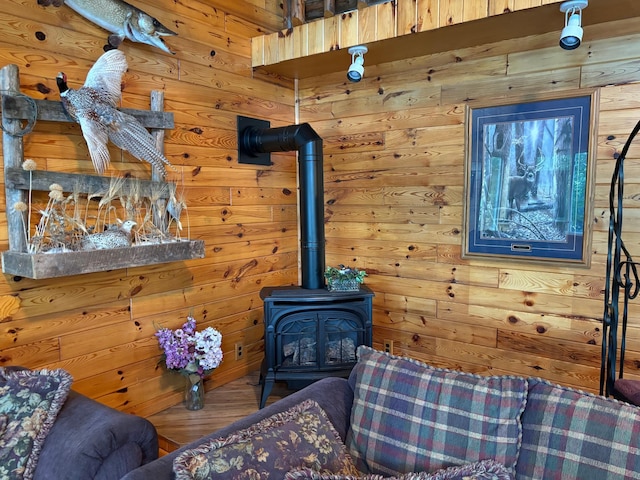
<point>529,179</point>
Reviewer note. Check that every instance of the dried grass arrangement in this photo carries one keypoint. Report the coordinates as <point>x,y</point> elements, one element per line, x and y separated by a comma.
<point>151,211</point>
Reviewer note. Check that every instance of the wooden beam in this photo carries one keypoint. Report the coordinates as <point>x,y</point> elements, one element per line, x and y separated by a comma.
<point>19,179</point>
<point>519,24</point>
<point>329,8</point>
<point>297,12</point>
<point>294,13</point>
<point>21,107</point>
<point>13,153</point>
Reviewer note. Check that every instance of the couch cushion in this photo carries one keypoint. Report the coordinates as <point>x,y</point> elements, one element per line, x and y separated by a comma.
<point>568,434</point>
<point>30,401</point>
<point>483,470</point>
<point>410,417</point>
<point>299,437</point>
<point>627,390</point>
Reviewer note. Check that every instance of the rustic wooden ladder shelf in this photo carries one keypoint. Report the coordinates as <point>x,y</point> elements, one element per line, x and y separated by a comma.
<point>16,108</point>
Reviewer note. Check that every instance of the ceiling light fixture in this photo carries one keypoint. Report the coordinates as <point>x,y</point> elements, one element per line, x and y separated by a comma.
<point>356,69</point>
<point>571,35</point>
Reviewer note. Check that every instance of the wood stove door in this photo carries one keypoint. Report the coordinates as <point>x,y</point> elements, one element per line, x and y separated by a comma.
<point>317,340</point>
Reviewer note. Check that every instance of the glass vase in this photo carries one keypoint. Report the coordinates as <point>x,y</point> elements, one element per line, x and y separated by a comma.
<point>194,393</point>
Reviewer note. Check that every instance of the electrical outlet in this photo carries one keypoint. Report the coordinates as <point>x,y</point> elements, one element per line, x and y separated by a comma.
<point>239,351</point>
<point>388,346</point>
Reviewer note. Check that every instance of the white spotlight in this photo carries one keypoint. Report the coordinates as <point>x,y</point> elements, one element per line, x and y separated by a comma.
<point>571,35</point>
<point>356,69</point>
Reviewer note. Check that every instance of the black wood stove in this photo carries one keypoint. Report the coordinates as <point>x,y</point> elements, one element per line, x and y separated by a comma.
<point>310,333</point>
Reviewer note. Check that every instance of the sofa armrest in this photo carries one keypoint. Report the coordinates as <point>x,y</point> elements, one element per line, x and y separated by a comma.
<point>333,394</point>
<point>92,441</point>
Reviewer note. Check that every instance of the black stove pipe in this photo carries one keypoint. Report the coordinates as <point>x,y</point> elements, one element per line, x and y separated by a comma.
<point>252,141</point>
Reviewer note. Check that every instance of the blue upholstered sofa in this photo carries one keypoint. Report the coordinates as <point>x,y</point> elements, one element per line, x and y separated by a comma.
<point>92,441</point>
<point>64,435</point>
<point>397,416</point>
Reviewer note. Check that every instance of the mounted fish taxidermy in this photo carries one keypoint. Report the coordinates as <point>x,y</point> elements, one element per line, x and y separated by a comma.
<point>94,107</point>
<point>121,19</point>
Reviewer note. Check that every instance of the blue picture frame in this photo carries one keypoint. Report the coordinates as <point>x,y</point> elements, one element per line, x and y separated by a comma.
<point>528,180</point>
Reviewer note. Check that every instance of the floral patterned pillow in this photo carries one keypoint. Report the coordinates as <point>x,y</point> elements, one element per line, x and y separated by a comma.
<point>299,437</point>
<point>29,403</point>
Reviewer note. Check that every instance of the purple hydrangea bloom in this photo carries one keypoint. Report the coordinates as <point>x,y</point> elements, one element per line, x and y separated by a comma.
<point>189,351</point>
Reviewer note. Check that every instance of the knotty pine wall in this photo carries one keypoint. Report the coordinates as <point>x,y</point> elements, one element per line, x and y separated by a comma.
<point>394,193</point>
<point>100,326</point>
<point>394,169</point>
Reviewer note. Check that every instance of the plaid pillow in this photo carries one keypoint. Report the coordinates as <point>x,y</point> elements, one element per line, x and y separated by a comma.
<point>568,434</point>
<point>409,417</point>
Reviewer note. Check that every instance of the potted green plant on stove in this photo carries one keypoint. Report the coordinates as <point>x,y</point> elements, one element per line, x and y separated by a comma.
<point>344,279</point>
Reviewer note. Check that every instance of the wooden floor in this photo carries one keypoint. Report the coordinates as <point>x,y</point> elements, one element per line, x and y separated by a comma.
<point>178,426</point>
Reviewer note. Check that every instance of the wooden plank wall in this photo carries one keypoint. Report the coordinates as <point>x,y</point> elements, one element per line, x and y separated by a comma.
<point>394,181</point>
<point>394,159</point>
<point>100,326</point>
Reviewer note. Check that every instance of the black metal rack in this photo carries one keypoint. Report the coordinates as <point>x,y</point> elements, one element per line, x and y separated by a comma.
<point>622,283</point>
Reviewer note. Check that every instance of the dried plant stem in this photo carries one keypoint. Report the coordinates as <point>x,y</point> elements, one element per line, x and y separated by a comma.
<point>19,209</point>
<point>29,209</point>
<point>63,226</point>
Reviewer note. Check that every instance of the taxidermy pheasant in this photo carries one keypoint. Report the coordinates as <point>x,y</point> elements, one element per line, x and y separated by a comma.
<point>115,237</point>
<point>93,106</point>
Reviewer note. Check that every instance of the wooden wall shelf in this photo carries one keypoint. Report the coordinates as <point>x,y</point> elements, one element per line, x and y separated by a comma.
<point>50,265</point>
<point>16,109</point>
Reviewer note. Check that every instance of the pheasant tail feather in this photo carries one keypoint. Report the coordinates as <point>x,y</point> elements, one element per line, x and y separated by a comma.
<point>131,136</point>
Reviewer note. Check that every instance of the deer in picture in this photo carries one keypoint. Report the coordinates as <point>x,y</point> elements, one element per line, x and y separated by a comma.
<point>521,186</point>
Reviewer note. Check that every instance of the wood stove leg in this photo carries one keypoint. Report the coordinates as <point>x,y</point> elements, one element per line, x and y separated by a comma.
<point>267,385</point>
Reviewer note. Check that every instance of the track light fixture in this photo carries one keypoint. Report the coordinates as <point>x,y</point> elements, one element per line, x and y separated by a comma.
<point>356,69</point>
<point>571,35</point>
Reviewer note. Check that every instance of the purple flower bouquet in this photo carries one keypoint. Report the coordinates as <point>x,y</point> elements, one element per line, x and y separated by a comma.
<point>190,352</point>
